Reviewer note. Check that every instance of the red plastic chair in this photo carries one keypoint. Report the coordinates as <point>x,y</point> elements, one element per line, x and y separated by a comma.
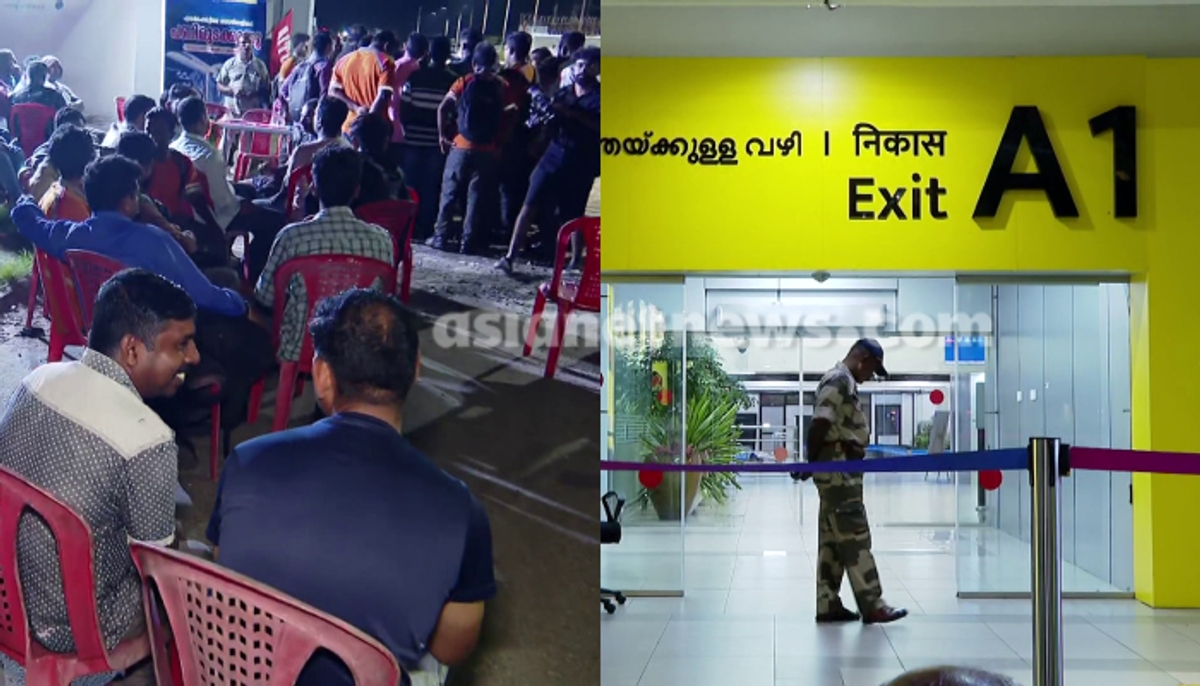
<point>255,146</point>
<point>90,270</point>
<point>301,178</point>
<point>60,304</point>
<point>399,217</point>
<point>120,109</point>
<point>231,629</point>
<point>32,123</point>
<point>216,111</point>
<point>74,539</point>
<point>568,296</point>
<point>324,276</point>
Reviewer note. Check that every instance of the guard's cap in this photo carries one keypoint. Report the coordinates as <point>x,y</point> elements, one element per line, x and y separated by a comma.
<point>872,348</point>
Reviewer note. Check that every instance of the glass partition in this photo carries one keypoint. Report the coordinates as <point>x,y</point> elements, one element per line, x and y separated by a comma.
<point>643,353</point>
<point>1057,364</point>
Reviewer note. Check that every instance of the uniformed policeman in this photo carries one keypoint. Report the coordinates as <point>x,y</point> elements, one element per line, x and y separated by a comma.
<point>839,432</point>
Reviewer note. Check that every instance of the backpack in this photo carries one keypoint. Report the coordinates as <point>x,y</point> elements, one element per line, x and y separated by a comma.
<point>480,110</point>
<point>306,85</point>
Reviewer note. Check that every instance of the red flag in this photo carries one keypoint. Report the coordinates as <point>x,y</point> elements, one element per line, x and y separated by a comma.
<point>281,39</point>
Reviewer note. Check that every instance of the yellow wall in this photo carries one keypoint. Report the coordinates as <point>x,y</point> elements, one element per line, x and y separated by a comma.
<point>765,214</point>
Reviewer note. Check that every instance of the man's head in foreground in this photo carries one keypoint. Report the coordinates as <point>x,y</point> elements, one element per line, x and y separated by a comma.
<point>146,325</point>
<point>950,676</point>
<point>366,352</point>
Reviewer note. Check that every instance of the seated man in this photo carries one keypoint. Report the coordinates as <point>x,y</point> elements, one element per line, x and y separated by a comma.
<point>82,431</point>
<point>382,178</point>
<point>333,231</point>
<point>136,109</point>
<point>37,90</point>
<point>232,214</point>
<point>174,182</point>
<point>140,148</point>
<point>55,81</point>
<point>235,349</point>
<point>348,516</point>
<point>330,115</point>
<point>43,172</point>
<point>71,151</point>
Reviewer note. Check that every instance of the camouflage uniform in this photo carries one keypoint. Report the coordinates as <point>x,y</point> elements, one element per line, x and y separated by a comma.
<point>844,537</point>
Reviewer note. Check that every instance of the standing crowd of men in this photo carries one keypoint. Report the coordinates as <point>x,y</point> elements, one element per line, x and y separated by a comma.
<point>503,143</point>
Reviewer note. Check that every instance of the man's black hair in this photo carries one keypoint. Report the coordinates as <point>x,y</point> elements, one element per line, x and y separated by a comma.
<point>357,31</point>
<point>371,342</point>
<point>439,50</point>
<point>547,69</point>
<point>71,116</point>
<point>332,113</point>
<point>71,151</point>
<point>570,42</point>
<point>110,180</point>
<point>417,45</point>
<point>337,174</point>
<point>8,57</point>
<point>384,40</point>
<point>321,43</point>
<point>373,131</point>
<point>163,113</point>
<point>137,106</point>
<point>191,111</point>
<point>298,41</point>
<point>590,54</point>
<point>540,55</point>
<point>468,38</point>
<point>484,56</point>
<point>137,146</point>
<point>520,43</point>
<point>137,303</point>
<point>37,73</point>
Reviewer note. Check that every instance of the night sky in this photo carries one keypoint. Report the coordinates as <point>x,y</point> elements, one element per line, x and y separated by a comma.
<point>401,15</point>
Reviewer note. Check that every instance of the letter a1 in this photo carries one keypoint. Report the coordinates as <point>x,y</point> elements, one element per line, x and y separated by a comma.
<point>1025,123</point>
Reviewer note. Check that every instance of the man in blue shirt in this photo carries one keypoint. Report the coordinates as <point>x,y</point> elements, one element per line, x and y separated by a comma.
<point>111,186</point>
<point>346,515</point>
<point>233,349</point>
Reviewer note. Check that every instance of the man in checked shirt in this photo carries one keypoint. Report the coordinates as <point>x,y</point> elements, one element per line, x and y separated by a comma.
<point>334,230</point>
<point>838,433</point>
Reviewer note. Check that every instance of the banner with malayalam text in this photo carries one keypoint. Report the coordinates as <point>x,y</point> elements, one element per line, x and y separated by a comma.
<point>202,34</point>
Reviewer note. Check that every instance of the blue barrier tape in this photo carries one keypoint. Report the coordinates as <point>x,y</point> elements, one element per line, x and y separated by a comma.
<point>982,460</point>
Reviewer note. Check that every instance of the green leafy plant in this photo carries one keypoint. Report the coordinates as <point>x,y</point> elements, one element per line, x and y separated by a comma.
<point>713,399</point>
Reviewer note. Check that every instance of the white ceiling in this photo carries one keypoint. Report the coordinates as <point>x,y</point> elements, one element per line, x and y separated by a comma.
<point>775,28</point>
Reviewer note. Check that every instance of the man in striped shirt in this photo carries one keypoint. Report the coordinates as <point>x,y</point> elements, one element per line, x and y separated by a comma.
<point>421,156</point>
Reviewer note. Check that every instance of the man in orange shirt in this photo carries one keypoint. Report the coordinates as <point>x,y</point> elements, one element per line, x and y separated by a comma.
<point>71,150</point>
<point>364,78</point>
<point>175,184</point>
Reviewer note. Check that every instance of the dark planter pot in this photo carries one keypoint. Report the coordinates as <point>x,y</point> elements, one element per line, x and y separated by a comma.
<point>665,498</point>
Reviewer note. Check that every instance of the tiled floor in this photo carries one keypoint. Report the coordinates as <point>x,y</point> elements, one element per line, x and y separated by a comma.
<point>746,617</point>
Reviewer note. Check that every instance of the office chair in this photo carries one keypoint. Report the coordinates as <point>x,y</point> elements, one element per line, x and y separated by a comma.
<point>610,532</point>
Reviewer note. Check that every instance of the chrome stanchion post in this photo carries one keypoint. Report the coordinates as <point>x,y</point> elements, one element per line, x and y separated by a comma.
<point>1046,562</point>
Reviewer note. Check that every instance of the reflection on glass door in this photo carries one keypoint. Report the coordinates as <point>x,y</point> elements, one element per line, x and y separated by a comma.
<point>644,404</point>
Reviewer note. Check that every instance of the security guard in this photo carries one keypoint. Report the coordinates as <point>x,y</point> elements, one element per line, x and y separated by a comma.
<point>839,432</point>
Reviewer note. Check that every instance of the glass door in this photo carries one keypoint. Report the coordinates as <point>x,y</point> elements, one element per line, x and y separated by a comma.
<point>643,403</point>
<point>1056,364</point>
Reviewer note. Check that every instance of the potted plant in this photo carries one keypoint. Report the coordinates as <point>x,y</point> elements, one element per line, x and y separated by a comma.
<point>713,399</point>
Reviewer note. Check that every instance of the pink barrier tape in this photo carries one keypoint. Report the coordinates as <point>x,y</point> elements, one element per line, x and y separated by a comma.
<point>1149,461</point>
